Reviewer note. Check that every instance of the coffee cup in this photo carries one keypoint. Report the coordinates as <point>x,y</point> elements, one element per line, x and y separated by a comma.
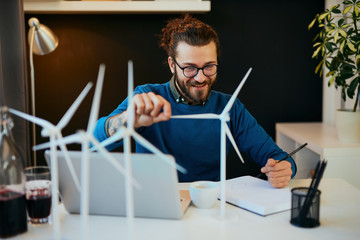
<point>204,194</point>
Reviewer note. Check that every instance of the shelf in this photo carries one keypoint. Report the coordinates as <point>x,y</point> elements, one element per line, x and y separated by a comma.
<point>343,158</point>
<point>88,7</point>
<point>321,137</point>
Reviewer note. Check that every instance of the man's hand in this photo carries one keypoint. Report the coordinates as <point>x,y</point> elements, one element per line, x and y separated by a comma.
<point>149,109</point>
<point>278,173</point>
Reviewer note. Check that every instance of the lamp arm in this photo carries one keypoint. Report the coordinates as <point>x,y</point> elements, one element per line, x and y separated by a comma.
<point>32,76</point>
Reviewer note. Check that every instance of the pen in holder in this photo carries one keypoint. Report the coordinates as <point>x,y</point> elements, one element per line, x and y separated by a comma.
<point>305,202</point>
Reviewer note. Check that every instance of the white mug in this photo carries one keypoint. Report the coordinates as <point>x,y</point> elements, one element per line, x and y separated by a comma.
<point>204,194</point>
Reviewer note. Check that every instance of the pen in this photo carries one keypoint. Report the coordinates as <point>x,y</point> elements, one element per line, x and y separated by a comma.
<point>319,171</point>
<point>262,175</point>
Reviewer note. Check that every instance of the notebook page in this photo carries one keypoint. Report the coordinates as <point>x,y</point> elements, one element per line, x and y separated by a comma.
<point>257,195</point>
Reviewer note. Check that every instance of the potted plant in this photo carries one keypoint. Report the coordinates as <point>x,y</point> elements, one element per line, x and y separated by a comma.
<point>338,46</point>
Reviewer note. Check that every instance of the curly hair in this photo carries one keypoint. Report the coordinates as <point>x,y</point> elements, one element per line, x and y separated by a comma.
<point>189,30</point>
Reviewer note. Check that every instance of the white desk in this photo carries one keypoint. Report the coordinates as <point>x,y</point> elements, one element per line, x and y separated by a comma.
<point>339,218</point>
<point>343,158</point>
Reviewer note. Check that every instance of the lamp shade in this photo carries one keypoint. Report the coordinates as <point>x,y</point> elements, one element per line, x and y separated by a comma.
<point>45,41</point>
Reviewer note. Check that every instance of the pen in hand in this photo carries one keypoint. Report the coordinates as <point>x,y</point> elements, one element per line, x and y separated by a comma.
<point>263,176</point>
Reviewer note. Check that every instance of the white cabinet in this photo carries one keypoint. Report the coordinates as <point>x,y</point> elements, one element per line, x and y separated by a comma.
<point>343,158</point>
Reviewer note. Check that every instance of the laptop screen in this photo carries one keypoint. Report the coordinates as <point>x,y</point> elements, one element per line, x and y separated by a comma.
<point>157,197</point>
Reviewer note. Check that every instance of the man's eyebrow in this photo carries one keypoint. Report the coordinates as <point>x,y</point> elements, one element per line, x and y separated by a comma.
<point>195,65</point>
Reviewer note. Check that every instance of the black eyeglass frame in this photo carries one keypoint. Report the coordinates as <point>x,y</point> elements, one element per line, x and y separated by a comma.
<point>197,69</point>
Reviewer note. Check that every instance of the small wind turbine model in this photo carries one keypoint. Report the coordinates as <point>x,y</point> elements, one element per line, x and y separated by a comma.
<point>225,131</point>
<point>85,138</point>
<point>54,133</point>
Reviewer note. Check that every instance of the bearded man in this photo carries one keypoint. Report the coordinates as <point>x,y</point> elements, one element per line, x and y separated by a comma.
<point>193,48</point>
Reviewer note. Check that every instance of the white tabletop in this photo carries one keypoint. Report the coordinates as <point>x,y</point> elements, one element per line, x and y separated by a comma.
<point>339,219</point>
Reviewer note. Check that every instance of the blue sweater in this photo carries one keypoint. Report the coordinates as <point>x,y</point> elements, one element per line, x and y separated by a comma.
<point>195,143</point>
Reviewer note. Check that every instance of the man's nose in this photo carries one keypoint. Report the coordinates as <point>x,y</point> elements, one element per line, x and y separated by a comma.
<point>200,77</point>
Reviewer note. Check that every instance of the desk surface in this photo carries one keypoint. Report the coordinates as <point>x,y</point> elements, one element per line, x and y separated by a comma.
<point>339,218</point>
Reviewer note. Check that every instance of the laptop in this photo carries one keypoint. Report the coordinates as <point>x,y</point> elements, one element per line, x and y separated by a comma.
<point>158,197</point>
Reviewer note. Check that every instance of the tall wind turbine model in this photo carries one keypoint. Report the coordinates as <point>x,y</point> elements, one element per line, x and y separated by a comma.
<point>225,131</point>
<point>126,133</point>
<point>85,138</point>
<point>54,133</point>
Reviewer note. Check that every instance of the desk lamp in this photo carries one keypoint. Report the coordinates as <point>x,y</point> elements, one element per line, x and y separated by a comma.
<point>45,42</point>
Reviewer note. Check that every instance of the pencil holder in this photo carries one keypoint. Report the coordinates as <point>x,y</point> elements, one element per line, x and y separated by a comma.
<point>305,209</point>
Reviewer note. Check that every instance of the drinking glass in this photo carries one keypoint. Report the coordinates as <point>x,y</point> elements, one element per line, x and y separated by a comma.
<point>38,194</point>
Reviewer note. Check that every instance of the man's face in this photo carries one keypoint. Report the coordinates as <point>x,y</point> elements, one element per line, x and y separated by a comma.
<point>196,89</point>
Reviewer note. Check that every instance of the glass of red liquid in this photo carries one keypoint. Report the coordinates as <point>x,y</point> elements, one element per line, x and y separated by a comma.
<point>38,194</point>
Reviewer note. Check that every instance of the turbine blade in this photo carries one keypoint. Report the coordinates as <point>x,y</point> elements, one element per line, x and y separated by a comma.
<point>234,96</point>
<point>74,138</point>
<point>121,133</point>
<point>232,140</point>
<point>197,116</point>
<point>69,162</point>
<point>38,121</point>
<point>96,100</point>
<point>156,151</point>
<point>111,159</point>
<point>70,112</point>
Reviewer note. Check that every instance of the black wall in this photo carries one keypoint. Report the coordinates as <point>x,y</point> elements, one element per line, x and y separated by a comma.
<point>270,36</point>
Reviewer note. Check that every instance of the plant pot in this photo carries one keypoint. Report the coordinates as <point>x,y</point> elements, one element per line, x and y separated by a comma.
<point>348,125</point>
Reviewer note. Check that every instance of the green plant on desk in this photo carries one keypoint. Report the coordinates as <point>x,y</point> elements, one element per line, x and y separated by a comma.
<point>338,45</point>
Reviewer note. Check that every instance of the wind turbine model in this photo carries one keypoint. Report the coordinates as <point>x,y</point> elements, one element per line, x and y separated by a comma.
<point>129,131</point>
<point>85,138</point>
<point>126,133</point>
<point>54,133</point>
<point>225,131</point>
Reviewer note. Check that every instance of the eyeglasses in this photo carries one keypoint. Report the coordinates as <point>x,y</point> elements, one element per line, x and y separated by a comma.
<point>192,71</point>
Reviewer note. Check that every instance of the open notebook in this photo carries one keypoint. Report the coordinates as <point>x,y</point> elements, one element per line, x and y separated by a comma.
<point>158,197</point>
<point>257,195</point>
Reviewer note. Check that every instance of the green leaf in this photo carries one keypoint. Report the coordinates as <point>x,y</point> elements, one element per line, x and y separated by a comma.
<point>336,36</point>
<point>319,66</point>
<point>330,32</point>
<point>316,44</point>
<point>342,32</point>
<point>331,81</point>
<point>327,64</point>
<point>312,22</point>
<point>323,15</point>
<point>340,22</point>
<point>329,47</point>
<point>352,87</point>
<point>347,9</point>
<point>330,73</point>
<point>342,46</point>
<point>356,10</point>
<point>316,52</point>
<point>347,2</point>
<point>351,46</point>
<point>337,11</point>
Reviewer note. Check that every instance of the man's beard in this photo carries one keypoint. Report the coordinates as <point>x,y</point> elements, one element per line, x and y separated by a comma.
<point>198,97</point>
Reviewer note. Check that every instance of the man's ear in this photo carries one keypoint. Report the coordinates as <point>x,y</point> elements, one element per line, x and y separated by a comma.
<point>171,64</point>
